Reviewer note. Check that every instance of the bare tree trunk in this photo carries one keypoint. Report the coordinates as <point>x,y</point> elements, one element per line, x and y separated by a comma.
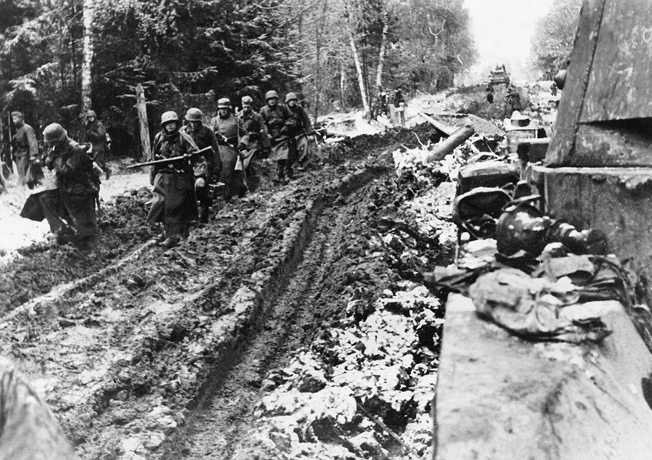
<point>62,46</point>
<point>73,46</point>
<point>319,32</point>
<point>342,83</point>
<point>141,107</point>
<point>356,60</point>
<point>86,76</point>
<point>383,47</point>
<point>358,68</point>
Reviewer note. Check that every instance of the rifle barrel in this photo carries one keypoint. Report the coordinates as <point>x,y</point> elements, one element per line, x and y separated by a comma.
<point>169,160</point>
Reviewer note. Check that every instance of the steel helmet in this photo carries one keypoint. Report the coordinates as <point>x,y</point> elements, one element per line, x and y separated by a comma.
<point>54,132</point>
<point>224,103</point>
<point>522,227</point>
<point>291,97</point>
<point>91,113</point>
<point>169,116</point>
<point>247,100</point>
<point>271,95</point>
<point>194,114</point>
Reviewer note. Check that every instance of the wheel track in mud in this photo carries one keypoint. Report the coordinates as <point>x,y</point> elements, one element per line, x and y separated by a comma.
<point>291,322</point>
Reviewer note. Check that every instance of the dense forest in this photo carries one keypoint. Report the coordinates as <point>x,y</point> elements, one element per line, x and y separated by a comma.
<point>554,37</point>
<point>59,58</point>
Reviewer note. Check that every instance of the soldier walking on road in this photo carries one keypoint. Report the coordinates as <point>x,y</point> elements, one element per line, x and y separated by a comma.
<point>490,93</point>
<point>227,132</point>
<point>94,133</point>
<point>70,209</point>
<point>25,149</point>
<point>513,99</point>
<point>399,105</point>
<point>175,203</point>
<point>253,141</point>
<point>202,136</point>
<point>298,131</point>
<point>278,120</point>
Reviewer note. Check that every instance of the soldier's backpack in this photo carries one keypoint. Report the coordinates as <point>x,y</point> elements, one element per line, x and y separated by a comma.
<point>493,173</point>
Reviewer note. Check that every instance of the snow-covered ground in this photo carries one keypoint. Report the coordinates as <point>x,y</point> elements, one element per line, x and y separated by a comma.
<point>354,124</point>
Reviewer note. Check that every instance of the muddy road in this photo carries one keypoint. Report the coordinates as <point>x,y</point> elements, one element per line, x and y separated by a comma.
<point>310,289</point>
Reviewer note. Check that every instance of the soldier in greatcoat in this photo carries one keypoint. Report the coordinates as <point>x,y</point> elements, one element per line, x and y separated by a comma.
<point>299,130</point>
<point>228,133</point>
<point>94,133</point>
<point>70,209</point>
<point>25,150</point>
<point>279,121</point>
<point>254,140</point>
<point>202,136</point>
<point>175,202</point>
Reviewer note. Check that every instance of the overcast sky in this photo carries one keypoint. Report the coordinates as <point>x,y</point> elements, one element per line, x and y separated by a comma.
<point>502,30</point>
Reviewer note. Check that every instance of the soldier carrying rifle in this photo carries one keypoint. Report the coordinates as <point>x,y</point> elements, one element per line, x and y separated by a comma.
<point>200,136</point>
<point>174,180</point>
<point>228,133</point>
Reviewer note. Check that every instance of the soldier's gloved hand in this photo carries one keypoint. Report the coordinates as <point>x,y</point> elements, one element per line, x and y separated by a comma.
<point>200,182</point>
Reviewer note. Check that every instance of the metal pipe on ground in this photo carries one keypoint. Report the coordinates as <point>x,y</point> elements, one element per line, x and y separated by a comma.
<point>446,147</point>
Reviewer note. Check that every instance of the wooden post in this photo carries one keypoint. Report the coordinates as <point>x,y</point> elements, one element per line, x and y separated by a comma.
<point>141,106</point>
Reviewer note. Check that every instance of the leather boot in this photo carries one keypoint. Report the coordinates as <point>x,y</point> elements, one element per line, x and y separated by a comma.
<point>203,215</point>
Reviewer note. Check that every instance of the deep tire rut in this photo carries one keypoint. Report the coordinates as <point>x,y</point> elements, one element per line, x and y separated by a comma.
<point>290,323</point>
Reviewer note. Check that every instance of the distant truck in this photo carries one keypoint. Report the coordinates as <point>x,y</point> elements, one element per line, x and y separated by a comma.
<point>499,76</point>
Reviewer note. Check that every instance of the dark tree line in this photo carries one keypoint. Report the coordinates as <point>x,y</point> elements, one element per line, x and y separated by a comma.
<point>191,52</point>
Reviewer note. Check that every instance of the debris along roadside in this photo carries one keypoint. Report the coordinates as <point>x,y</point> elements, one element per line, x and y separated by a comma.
<point>538,277</point>
<point>546,340</point>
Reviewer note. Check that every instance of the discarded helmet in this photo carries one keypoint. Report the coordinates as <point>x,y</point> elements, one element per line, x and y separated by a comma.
<point>290,97</point>
<point>168,117</point>
<point>271,95</point>
<point>522,227</point>
<point>477,211</point>
<point>247,100</point>
<point>224,103</point>
<point>54,132</point>
<point>91,113</point>
<point>194,114</point>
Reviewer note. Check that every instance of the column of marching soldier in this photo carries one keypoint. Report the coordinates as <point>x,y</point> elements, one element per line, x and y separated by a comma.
<point>190,163</point>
